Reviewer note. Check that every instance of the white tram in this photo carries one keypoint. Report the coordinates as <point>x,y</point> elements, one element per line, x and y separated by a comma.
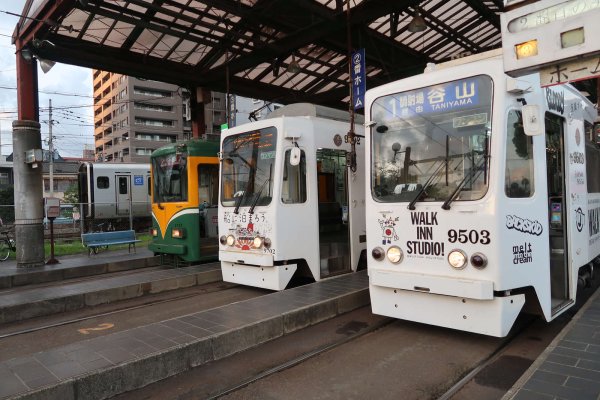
<point>288,203</point>
<point>484,196</point>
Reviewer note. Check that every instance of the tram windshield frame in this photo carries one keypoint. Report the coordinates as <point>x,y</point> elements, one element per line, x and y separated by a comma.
<point>248,167</point>
<point>170,178</point>
<point>432,144</point>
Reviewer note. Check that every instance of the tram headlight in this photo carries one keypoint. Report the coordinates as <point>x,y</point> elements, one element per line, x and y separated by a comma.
<point>378,253</point>
<point>457,259</point>
<point>395,254</point>
<point>267,243</point>
<point>223,240</point>
<point>479,260</point>
<point>257,242</point>
<point>178,233</point>
<point>230,240</point>
<point>154,232</point>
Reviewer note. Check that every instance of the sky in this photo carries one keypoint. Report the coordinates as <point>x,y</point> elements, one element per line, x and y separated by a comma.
<point>69,88</point>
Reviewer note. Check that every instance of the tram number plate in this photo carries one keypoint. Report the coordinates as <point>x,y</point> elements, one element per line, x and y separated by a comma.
<point>466,236</point>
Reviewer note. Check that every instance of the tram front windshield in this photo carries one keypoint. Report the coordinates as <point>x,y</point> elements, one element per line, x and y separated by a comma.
<point>432,144</point>
<point>170,178</point>
<point>247,168</point>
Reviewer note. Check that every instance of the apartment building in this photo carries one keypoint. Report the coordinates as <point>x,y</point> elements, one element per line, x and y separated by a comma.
<point>133,117</point>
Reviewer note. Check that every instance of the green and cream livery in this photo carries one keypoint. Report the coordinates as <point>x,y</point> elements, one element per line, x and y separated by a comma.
<point>184,200</point>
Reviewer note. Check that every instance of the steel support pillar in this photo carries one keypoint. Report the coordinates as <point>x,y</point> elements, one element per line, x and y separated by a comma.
<point>27,89</point>
<point>29,207</point>
<point>199,98</point>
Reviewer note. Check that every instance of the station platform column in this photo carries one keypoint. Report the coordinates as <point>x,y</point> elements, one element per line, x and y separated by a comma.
<point>29,209</point>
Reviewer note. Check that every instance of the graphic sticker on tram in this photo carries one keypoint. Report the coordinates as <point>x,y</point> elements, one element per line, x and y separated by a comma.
<point>522,254</point>
<point>425,246</point>
<point>388,229</point>
<point>524,225</point>
<point>579,219</point>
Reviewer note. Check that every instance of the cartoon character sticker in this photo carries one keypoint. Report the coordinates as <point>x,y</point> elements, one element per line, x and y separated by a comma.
<point>245,234</point>
<point>388,229</point>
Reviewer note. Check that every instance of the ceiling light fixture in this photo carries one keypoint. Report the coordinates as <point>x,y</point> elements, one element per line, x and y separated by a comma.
<point>26,54</point>
<point>293,67</point>
<point>46,65</point>
<point>417,24</point>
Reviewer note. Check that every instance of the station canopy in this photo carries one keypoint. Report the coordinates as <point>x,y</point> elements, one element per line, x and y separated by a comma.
<point>278,50</point>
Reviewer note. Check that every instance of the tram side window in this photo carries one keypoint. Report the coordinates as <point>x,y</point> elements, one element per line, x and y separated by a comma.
<point>102,182</point>
<point>208,181</point>
<point>519,180</point>
<point>592,166</point>
<point>123,185</point>
<point>293,188</point>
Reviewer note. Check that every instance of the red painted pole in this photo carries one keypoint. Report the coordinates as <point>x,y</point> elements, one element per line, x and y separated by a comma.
<point>27,89</point>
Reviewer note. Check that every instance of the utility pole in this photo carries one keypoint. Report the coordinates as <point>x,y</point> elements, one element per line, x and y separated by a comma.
<point>50,148</point>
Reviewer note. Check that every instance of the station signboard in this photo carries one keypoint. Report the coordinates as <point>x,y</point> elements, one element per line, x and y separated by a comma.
<point>570,71</point>
<point>549,33</point>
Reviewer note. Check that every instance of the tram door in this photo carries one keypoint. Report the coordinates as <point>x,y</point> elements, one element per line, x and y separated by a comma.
<point>555,165</point>
<point>334,245</point>
<point>123,194</point>
<point>208,181</point>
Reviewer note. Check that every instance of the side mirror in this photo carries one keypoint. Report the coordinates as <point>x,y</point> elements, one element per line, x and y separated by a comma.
<point>295,156</point>
<point>532,123</point>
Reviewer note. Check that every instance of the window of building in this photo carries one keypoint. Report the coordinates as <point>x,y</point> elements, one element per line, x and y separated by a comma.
<point>4,178</point>
<point>154,122</point>
<point>143,152</point>
<point>152,107</point>
<point>152,92</point>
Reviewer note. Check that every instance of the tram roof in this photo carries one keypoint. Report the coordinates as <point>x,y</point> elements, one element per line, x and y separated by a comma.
<point>251,43</point>
<point>194,147</point>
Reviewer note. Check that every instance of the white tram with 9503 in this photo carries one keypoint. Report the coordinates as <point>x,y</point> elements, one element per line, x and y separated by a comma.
<point>484,196</point>
<point>288,203</point>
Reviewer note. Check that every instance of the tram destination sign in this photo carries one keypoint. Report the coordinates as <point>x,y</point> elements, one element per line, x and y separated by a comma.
<point>549,33</point>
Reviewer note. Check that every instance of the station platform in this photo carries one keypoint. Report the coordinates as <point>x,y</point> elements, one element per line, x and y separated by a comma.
<point>29,295</point>
<point>569,368</point>
<point>75,266</point>
<point>105,366</point>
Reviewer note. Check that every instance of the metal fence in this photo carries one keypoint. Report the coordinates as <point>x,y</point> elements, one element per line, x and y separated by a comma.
<point>78,218</point>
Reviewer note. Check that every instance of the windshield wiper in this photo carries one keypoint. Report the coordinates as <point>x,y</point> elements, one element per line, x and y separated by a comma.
<point>241,198</point>
<point>429,182</point>
<point>251,211</point>
<point>471,177</point>
<point>238,202</point>
<point>253,206</point>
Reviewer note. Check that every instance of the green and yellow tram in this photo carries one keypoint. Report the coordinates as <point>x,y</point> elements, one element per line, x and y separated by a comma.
<point>184,201</point>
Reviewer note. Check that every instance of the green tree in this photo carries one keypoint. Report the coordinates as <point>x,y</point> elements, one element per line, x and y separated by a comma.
<point>71,195</point>
<point>7,204</point>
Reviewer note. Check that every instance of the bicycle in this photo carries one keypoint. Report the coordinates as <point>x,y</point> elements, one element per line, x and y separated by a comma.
<point>7,244</point>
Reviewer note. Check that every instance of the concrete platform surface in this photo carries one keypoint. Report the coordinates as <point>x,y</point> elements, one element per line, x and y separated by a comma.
<point>570,367</point>
<point>102,367</point>
<point>28,302</point>
<point>76,266</point>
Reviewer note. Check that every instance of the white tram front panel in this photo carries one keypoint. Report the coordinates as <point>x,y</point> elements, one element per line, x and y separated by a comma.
<point>272,214</point>
<point>453,179</point>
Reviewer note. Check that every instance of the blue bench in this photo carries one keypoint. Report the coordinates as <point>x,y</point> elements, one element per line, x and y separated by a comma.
<point>101,239</point>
